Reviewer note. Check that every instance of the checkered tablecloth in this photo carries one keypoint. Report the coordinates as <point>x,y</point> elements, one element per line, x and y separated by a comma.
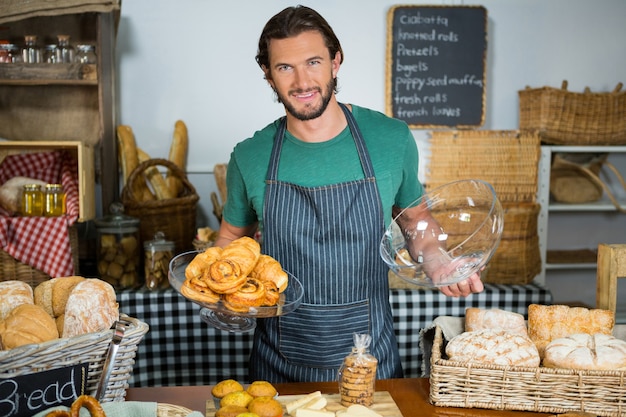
<point>180,349</point>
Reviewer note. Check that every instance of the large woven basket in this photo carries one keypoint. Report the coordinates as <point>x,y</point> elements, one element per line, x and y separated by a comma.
<point>507,159</point>
<point>518,258</point>
<point>88,348</point>
<point>568,118</point>
<point>175,217</point>
<point>542,390</point>
<point>12,269</point>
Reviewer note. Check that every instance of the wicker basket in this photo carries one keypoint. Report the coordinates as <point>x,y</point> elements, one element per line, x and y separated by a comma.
<point>566,118</point>
<point>175,217</point>
<point>88,348</point>
<point>543,390</point>
<point>507,159</point>
<point>12,269</point>
<point>518,258</point>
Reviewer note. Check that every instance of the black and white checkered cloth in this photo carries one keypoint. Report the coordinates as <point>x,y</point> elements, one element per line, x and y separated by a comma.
<point>180,349</point>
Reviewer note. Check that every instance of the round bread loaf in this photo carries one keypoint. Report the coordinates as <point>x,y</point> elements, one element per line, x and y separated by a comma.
<point>26,324</point>
<point>584,351</point>
<point>12,294</point>
<point>91,307</point>
<point>496,347</point>
<point>494,318</point>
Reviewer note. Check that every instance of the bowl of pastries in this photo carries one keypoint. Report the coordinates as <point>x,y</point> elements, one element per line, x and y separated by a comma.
<point>446,235</point>
<point>235,283</point>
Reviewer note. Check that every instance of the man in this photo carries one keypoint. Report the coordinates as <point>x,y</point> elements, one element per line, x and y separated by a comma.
<point>320,184</point>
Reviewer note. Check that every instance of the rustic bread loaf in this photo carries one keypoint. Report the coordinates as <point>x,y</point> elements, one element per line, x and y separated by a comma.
<point>547,323</point>
<point>496,347</point>
<point>26,324</point>
<point>91,307</point>
<point>495,319</point>
<point>12,294</point>
<point>585,351</point>
<point>11,193</point>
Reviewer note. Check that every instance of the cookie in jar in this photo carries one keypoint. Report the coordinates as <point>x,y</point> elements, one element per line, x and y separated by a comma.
<point>118,247</point>
<point>158,254</point>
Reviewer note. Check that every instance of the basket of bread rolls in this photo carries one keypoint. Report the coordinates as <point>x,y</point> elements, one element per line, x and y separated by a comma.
<point>562,359</point>
<point>63,322</point>
<point>157,190</point>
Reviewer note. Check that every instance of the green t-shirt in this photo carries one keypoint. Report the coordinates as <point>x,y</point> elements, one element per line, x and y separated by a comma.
<point>391,148</point>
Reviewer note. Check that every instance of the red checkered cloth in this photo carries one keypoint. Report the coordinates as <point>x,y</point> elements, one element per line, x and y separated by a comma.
<point>42,242</point>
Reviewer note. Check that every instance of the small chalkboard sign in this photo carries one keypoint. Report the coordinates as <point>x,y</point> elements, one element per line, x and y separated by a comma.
<point>436,65</point>
<point>26,395</point>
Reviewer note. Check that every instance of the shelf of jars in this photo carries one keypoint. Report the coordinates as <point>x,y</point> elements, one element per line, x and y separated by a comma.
<point>46,74</point>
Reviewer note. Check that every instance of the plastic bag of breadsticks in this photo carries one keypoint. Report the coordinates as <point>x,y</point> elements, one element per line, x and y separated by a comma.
<point>357,374</point>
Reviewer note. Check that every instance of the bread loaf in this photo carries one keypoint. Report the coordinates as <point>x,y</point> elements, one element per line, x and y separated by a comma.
<point>12,294</point>
<point>495,319</point>
<point>584,351</point>
<point>496,347</point>
<point>91,307</point>
<point>547,323</point>
<point>26,324</point>
<point>178,155</point>
<point>11,193</point>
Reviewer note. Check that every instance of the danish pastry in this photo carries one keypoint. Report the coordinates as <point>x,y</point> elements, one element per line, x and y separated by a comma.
<point>251,294</point>
<point>202,261</point>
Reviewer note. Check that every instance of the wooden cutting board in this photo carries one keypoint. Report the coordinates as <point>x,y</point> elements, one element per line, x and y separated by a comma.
<point>383,404</point>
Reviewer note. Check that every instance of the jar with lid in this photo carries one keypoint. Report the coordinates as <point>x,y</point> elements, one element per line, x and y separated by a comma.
<point>158,254</point>
<point>65,51</point>
<point>85,54</point>
<point>117,246</point>
<point>54,200</point>
<point>32,200</point>
<point>31,53</point>
<point>9,53</point>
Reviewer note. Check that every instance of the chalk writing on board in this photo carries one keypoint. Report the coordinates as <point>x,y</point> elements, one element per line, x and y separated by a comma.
<point>28,394</point>
<point>436,65</point>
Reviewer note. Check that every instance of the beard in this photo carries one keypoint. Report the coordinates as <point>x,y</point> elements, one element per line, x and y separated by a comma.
<point>310,111</point>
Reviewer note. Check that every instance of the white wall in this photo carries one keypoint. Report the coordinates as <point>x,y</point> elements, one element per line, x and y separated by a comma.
<point>194,60</point>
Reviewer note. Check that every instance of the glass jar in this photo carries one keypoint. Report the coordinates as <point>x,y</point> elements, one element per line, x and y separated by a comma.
<point>158,254</point>
<point>50,54</point>
<point>85,54</point>
<point>65,51</point>
<point>32,200</point>
<point>31,53</point>
<point>10,53</point>
<point>54,200</point>
<point>117,248</point>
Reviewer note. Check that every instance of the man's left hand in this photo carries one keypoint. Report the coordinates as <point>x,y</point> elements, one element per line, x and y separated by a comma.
<point>464,288</point>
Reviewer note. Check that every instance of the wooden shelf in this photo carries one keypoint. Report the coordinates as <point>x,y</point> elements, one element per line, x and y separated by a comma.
<point>47,74</point>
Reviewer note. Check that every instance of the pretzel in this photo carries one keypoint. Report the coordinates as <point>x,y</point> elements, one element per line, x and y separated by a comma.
<point>90,403</point>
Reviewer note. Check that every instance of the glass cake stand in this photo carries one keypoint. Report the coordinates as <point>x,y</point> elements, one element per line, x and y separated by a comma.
<point>219,316</point>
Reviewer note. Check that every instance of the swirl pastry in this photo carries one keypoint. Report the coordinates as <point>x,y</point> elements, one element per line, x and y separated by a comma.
<point>224,276</point>
<point>269,269</point>
<point>251,294</point>
<point>272,294</point>
<point>202,262</point>
<point>197,289</point>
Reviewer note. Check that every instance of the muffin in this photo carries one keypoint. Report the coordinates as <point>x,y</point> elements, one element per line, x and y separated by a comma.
<point>230,411</point>
<point>261,389</point>
<point>240,398</point>
<point>265,407</point>
<point>225,387</point>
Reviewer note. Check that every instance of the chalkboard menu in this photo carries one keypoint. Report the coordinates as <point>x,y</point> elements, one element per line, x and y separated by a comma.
<point>436,65</point>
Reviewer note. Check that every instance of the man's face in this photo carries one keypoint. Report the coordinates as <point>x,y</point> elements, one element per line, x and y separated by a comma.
<point>302,72</point>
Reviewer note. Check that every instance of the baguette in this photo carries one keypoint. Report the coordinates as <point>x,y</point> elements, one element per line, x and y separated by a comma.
<point>129,159</point>
<point>178,156</point>
<point>155,178</point>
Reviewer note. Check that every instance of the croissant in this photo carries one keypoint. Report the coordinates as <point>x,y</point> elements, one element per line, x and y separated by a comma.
<point>202,262</point>
<point>245,252</point>
<point>251,294</point>
<point>269,269</point>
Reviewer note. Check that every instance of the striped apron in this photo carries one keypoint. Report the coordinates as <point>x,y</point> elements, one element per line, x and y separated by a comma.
<point>328,237</point>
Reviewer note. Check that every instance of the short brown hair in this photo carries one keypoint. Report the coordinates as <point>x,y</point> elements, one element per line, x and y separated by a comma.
<point>291,22</point>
